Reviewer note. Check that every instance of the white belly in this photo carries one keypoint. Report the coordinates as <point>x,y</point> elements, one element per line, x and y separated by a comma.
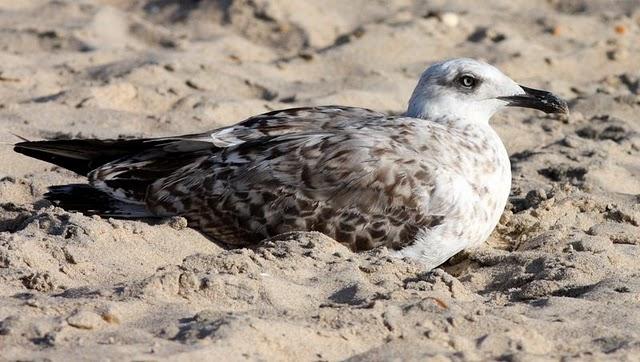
<point>470,210</point>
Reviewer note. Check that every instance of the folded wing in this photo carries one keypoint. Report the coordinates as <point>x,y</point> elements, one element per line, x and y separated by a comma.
<point>355,185</point>
<point>124,169</point>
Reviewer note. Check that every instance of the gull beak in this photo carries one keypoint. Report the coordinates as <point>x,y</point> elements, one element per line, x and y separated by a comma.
<point>537,99</point>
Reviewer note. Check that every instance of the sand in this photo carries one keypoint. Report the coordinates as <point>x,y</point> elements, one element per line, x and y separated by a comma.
<point>558,279</point>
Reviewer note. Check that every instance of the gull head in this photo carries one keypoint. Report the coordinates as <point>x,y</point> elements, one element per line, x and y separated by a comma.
<point>471,91</point>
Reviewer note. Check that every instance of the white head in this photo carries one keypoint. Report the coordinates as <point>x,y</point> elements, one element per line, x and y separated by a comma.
<point>473,91</point>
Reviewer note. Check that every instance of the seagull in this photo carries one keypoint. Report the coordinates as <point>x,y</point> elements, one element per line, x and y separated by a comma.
<point>426,184</point>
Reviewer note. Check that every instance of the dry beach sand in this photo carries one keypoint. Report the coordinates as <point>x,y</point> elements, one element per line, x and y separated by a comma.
<point>559,278</point>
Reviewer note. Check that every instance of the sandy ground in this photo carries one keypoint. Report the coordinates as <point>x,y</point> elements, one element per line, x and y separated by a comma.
<point>559,278</point>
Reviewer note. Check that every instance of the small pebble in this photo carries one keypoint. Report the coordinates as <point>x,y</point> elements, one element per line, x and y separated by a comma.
<point>450,19</point>
<point>111,316</point>
<point>85,320</point>
<point>178,222</point>
<point>618,54</point>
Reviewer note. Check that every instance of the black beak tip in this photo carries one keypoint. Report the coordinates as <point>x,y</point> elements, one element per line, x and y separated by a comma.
<point>554,104</point>
<point>546,101</point>
<point>564,107</point>
<point>557,105</point>
<point>538,99</point>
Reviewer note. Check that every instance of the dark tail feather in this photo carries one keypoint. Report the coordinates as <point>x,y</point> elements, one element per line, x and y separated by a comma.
<point>80,156</point>
<point>90,201</point>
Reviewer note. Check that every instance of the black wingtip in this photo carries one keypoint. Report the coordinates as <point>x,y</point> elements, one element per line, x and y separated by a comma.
<point>80,155</point>
<point>41,150</point>
<point>88,200</point>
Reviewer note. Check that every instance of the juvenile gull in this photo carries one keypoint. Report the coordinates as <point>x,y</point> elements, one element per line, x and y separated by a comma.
<point>426,184</point>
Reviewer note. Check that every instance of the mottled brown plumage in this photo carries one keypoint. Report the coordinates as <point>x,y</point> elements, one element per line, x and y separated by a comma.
<point>360,183</point>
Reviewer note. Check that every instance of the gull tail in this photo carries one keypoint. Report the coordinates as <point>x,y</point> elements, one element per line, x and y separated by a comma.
<point>119,171</point>
<point>91,201</point>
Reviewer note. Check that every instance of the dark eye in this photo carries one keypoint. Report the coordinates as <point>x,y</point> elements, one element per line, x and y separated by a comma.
<point>467,81</point>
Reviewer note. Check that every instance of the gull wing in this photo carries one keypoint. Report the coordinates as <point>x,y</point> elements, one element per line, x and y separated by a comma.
<point>353,183</point>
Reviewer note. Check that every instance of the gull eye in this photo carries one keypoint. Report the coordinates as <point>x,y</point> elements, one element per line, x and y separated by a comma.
<point>467,81</point>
